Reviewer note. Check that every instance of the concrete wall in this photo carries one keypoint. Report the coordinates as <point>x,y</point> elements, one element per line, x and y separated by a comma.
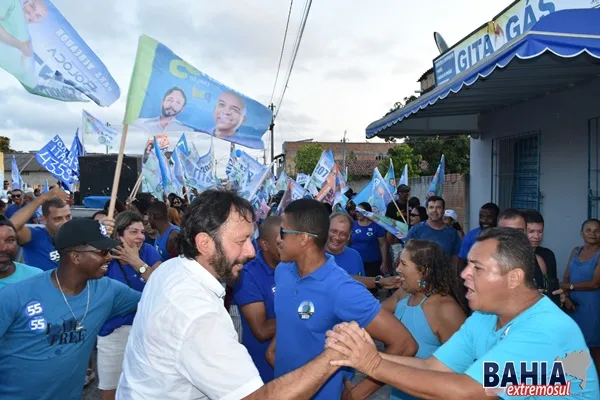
<point>562,121</point>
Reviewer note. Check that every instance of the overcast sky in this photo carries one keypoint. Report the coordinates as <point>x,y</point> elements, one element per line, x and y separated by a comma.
<point>357,58</point>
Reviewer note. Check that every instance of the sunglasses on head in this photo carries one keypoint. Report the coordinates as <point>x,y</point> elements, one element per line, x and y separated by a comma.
<point>283,232</point>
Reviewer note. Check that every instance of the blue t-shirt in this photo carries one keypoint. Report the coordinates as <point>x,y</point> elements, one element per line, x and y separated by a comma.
<point>350,261</point>
<point>134,280</point>
<point>160,243</point>
<point>21,273</point>
<point>12,209</point>
<point>468,242</point>
<point>257,284</point>
<point>446,238</point>
<point>541,333</point>
<point>42,355</point>
<point>365,240</point>
<point>40,251</point>
<point>307,307</point>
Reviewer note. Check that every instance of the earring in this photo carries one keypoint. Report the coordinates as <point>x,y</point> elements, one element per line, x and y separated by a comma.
<point>422,283</point>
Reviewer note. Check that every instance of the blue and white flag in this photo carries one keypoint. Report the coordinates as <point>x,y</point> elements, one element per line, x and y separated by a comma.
<point>17,182</point>
<point>321,172</point>
<point>390,177</point>
<point>436,187</point>
<point>46,187</point>
<point>302,179</point>
<point>242,166</point>
<point>404,177</point>
<point>376,193</point>
<point>75,152</point>
<point>45,53</point>
<point>396,228</point>
<point>97,131</point>
<point>54,156</point>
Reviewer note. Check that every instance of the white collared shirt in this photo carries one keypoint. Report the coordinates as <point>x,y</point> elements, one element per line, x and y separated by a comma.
<point>151,125</point>
<point>183,344</point>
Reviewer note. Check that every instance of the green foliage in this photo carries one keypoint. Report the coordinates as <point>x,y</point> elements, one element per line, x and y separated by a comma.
<point>401,155</point>
<point>307,158</point>
<point>455,148</point>
<point>5,145</point>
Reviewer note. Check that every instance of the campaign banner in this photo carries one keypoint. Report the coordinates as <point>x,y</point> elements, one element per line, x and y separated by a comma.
<point>396,228</point>
<point>242,166</point>
<point>45,53</point>
<point>376,193</point>
<point>436,187</point>
<point>54,156</point>
<point>513,22</point>
<point>321,171</point>
<point>97,130</point>
<point>17,181</point>
<point>167,94</point>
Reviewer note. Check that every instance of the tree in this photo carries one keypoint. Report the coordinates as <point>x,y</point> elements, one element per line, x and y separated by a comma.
<point>5,145</point>
<point>307,158</point>
<point>401,155</point>
<point>455,148</point>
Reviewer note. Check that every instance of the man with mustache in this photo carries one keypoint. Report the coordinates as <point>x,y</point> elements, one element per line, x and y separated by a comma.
<point>173,103</point>
<point>183,344</point>
<point>11,271</point>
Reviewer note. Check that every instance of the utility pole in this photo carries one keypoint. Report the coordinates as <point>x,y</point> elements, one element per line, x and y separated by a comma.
<point>272,128</point>
<point>344,152</point>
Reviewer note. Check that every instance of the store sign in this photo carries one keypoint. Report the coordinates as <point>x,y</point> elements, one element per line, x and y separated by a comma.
<point>509,25</point>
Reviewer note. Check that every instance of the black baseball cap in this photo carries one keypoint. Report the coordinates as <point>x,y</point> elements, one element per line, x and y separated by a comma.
<point>84,231</point>
<point>403,188</point>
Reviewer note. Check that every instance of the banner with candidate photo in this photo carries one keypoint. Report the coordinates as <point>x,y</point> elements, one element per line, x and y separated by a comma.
<point>45,53</point>
<point>167,94</point>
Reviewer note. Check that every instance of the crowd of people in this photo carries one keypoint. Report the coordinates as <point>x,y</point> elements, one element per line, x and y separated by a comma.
<point>201,300</point>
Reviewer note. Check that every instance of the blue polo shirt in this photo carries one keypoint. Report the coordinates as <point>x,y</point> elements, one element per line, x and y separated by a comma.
<point>160,243</point>
<point>542,333</point>
<point>42,355</point>
<point>446,238</point>
<point>350,261</point>
<point>127,275</point>
<point>307,307</point>
<point>40,251</point>
<point>468,242</point>
<point>365,240</point>
<point>256,285</point>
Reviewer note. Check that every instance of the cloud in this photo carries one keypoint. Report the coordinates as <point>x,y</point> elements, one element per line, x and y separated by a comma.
<point>348,74</point>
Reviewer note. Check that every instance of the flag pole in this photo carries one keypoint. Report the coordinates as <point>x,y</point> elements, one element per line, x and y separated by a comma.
<point>116,179</point>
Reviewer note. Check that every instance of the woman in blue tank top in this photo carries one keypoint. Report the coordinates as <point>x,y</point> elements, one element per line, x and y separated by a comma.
<point>430,311</point>
<point>581,282</point>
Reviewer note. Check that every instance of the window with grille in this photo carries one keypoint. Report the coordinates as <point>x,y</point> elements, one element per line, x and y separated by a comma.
<point>593,168</point>
<point>516,171</point>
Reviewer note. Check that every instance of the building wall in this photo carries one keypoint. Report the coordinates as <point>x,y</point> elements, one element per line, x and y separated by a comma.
<point>362,151</point>
<point>562,121</point>
<point>34,179</point>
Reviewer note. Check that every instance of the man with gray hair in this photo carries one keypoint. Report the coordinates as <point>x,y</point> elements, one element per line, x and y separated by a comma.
<point>516,338</point>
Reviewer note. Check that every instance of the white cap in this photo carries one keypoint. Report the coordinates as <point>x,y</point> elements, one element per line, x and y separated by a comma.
<point>452,214</point>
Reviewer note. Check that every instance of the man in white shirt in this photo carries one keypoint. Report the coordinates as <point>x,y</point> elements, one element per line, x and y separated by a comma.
<point>172,105</point>
<point>183,344</point>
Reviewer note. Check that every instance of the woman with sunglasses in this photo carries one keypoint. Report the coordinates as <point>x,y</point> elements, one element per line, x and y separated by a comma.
<point>132,264</point>
<point>417,214</point>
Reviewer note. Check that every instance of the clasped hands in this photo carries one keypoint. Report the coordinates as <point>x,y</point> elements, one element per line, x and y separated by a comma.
<point>355,346</point>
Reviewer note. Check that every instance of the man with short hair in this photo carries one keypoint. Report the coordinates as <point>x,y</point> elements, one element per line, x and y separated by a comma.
<point>255,296</point>
<point>166,232</point>
<point>18,202</point>
<point>513,327</point>
<point>403,193</point>
<point>11,271</point>
<point>314,294</point>
<point>488,218</point>
<point>535,234</point>
<point>49,322</point>
<point>436,230</point>
<point>340,228</point>
<point>173,104</point>
<point>182,344</point>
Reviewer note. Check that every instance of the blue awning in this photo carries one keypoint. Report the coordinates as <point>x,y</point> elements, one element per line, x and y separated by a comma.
<point>561,51</point>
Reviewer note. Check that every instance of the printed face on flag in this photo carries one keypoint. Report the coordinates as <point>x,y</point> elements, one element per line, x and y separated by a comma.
<point>167,94</point>
<point>39,50</point>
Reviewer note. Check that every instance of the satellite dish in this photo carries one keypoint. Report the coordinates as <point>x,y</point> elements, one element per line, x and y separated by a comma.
<point>440,42</point>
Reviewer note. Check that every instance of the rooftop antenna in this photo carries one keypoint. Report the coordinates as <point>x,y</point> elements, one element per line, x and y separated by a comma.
<point>440,42</point>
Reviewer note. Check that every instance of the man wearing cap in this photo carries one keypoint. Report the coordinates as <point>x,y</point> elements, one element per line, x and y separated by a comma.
<point>403,193</point>
<point>49,322</point>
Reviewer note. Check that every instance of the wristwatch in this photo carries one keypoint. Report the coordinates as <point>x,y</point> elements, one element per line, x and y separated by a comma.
<point>143,268</point>
<point>377,283</point>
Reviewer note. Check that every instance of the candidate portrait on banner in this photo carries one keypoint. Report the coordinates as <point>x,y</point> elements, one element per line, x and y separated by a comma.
<point>169,95</point>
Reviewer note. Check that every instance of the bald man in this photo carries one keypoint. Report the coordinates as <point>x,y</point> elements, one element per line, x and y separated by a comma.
<point>229,114</point>
<point>255,295</point>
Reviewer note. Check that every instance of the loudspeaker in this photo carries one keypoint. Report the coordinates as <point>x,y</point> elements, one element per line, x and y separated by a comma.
<point>96,174</point>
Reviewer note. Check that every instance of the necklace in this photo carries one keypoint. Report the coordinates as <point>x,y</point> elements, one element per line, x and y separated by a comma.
<point>79,325</point>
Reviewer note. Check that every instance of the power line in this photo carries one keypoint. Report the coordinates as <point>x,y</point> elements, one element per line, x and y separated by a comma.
<point>295,53</point>
<point>287,24</point>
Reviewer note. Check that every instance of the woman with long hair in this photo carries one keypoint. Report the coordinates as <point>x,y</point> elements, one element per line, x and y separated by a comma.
<point>427,303</point>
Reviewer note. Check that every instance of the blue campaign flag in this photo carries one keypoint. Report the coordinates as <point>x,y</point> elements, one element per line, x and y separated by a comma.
<point>46,187</point>
<point>436,187</point>
<point>167,94</point>
<point>47,55</point>
<point>162,165</point>
<point>182,145</point>
<point>17,182</point>
<point>54,156</point>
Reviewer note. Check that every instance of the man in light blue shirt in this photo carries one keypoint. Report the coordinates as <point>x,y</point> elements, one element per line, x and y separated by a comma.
<point>11,271</point>
<point>515,336</point>
<point>49,322</point>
